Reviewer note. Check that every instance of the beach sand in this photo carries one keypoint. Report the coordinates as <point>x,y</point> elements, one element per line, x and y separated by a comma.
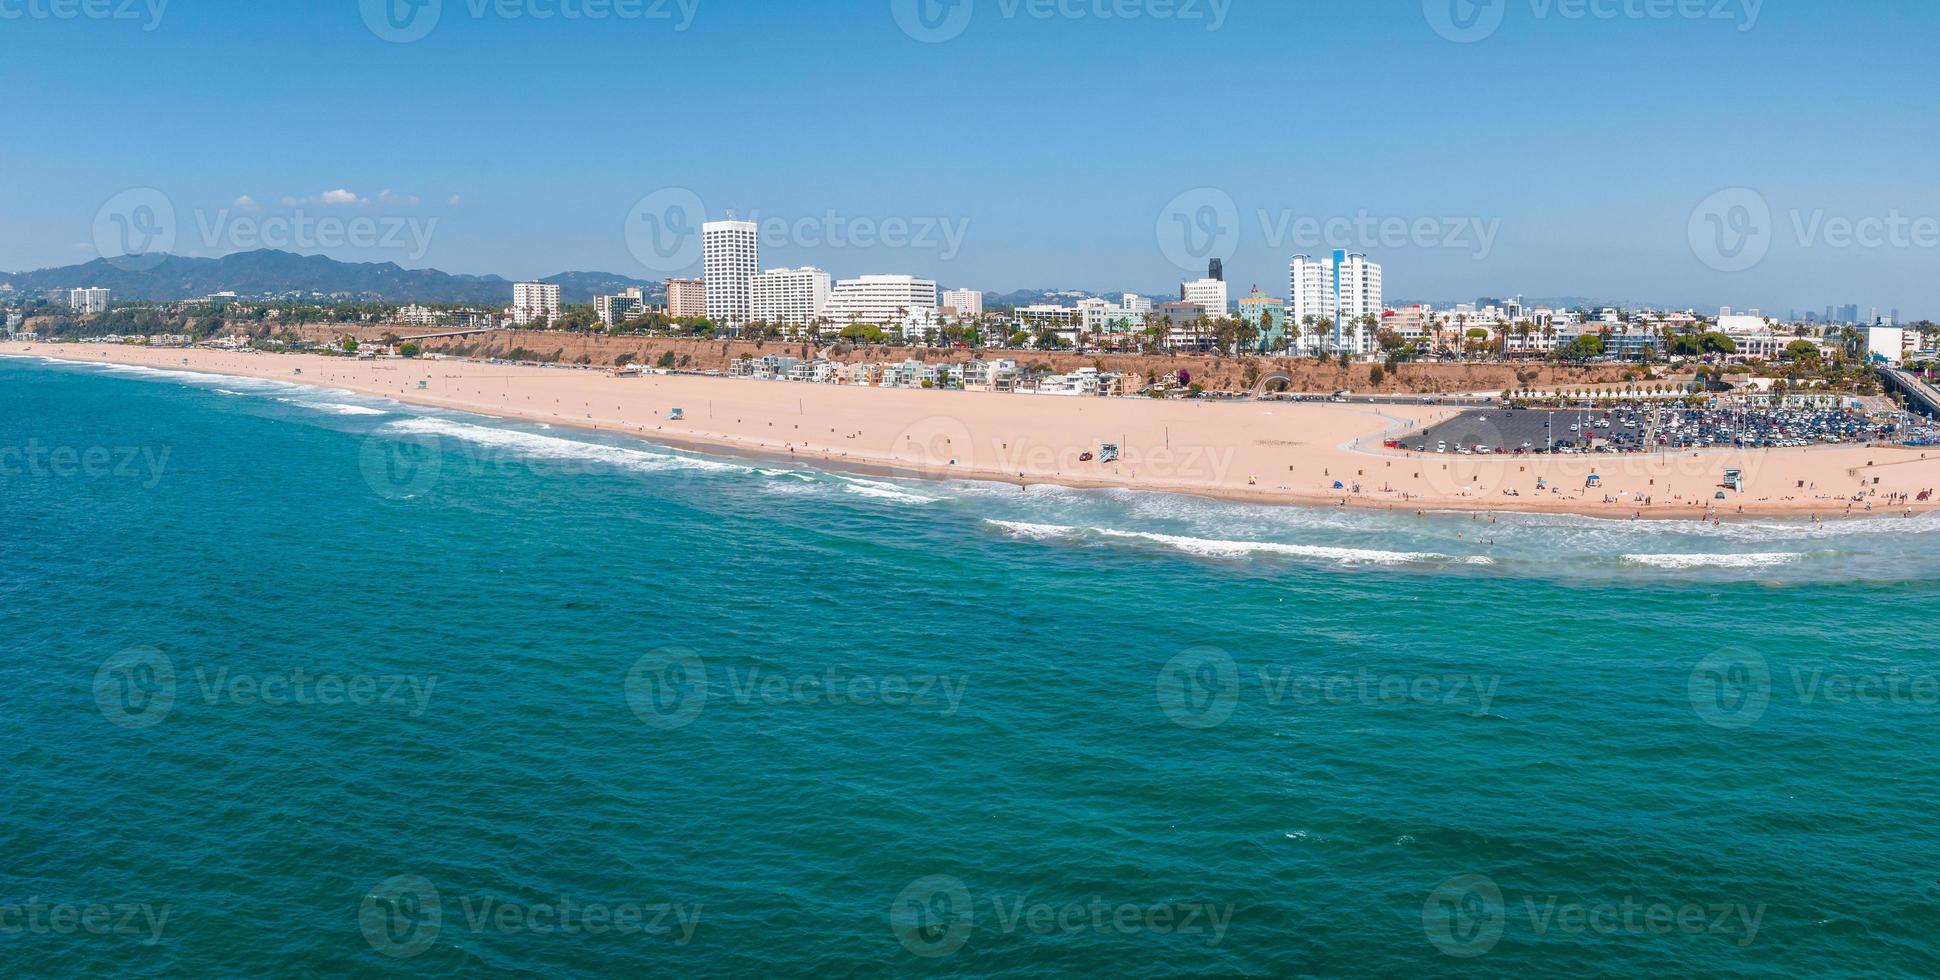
<point>1271,452</point>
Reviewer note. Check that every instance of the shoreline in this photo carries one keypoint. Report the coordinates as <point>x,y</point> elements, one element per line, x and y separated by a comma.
<point>1205,449</point>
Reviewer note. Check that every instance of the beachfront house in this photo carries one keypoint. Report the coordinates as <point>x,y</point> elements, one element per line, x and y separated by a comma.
<point>998,375</point>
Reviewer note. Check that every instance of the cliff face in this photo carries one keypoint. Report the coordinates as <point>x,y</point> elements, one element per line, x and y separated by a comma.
<point>1215,373</point>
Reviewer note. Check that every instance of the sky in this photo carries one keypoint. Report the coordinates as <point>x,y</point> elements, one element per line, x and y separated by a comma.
<point>1775,154</point>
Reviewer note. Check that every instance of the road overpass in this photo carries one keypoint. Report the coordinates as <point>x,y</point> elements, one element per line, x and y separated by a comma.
<point>1921,397</point>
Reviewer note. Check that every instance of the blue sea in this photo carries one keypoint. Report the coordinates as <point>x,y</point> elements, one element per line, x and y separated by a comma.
<point>307,683</point>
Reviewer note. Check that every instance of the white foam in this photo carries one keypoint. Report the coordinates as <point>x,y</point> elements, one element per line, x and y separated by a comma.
<point>885,491</point>
<point>1766,560</point>
<point>1032,532</point>
<point>552,447</point>
<point>1215,548</point>
<point>336,408</point>
<point>1211,548</point>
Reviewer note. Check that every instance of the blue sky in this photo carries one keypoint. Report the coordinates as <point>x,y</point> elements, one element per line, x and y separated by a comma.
<point>1558,147</point>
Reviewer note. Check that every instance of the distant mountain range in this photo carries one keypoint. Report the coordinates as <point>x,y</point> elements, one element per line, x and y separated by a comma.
<point>1056,297</point>
<point>271,273</point>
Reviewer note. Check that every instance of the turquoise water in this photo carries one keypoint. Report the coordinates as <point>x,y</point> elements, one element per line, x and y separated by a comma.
<point>304,682</point>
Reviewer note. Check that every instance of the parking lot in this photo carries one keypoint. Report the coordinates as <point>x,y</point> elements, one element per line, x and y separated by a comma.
<point>1644,428</point>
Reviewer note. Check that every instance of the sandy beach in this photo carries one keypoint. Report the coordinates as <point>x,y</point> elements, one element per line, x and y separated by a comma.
<point>1271,452</point>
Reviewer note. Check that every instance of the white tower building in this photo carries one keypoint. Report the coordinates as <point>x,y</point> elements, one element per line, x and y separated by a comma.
<point>794,297</point>
<point>732,255</point>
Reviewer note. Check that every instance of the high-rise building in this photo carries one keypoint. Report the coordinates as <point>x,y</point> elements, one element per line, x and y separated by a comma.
<point>1268,314</point>
<point>1343,288</point>
<point>963,302</point>
<point>686,298</point>
<point>731,254</point>
<point>794,297</point>
<point>621,308</point>
<point>1209,293</point>
<point>93,299</point>
<point>1135,304</point>
<point>534,301</point>
<point>880,300</point>
<point>1216,270</point>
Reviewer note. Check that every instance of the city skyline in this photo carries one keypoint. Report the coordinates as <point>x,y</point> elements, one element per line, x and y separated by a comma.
<point>1723,202</point>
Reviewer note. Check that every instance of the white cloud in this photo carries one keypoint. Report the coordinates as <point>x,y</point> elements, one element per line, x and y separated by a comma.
<point>338,198</point>
<point>397,200</point>
<point>247,203</point>
<point>454,202</point>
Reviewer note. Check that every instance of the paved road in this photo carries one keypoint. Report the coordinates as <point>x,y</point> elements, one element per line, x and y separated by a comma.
<point>1503,430</point>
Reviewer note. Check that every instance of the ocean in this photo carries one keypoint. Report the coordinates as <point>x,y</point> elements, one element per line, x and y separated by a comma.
<point>302,682</point>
